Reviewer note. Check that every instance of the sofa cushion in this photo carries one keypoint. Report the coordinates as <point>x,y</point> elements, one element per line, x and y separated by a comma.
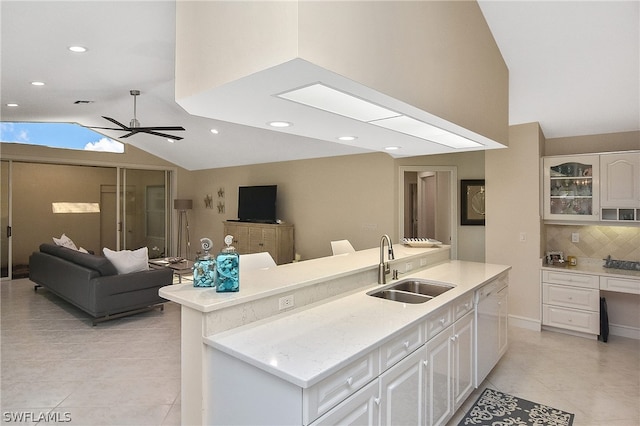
<point>97,263</point>
<point>127,261</point>
<point>65,241</point>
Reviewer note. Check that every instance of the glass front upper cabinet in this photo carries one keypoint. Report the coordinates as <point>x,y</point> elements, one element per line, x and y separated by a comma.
<point>571,188</point>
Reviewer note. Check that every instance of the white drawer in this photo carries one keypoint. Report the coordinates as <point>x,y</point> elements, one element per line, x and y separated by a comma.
<point>401,346</point>
<point>323,396</point>
<point>361,408</point>
<point>573,279</point>
<point>621,285</point>
<point>462,307</point>
<point>438,321</point>
<point>571,319</point>
<point>571,297</point>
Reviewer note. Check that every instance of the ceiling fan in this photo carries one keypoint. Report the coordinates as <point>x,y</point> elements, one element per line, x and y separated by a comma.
<point>134,125</point>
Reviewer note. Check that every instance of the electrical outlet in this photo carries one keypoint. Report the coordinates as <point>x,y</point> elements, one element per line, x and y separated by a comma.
<point>575,237</point>
<point>523,237</point>
<point>423,262</point>
<point>285,302</point>
<point>408,266</point>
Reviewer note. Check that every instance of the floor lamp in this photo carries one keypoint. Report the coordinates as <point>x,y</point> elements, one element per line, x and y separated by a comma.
<point>183,223</point>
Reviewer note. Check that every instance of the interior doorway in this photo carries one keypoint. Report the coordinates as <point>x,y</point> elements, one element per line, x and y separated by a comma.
<point>428,204</point>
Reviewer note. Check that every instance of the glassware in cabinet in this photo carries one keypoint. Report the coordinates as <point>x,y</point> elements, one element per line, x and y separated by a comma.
<point>571,187</point>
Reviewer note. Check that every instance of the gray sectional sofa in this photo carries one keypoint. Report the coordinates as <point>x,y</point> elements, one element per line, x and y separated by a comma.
<point>93,284</point>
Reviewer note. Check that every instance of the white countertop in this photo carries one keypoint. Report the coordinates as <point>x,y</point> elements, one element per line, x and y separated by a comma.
<point>306,345</point>
<point>594,267</point>
<point>266,282</point>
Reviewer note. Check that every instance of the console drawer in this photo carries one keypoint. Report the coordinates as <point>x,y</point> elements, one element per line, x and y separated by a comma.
<point>621,285</point>
<point>572,279</point>
<point>571,319</point>
<point>571,297</point>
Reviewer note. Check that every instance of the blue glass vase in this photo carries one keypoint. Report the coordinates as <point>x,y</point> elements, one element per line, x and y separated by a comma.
<point>228,268</point>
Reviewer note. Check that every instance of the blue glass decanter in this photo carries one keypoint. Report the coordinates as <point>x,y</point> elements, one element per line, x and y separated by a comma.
<point>228,268</point>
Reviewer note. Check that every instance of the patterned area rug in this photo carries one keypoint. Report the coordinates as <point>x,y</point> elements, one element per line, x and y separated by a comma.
<point>497,408</point>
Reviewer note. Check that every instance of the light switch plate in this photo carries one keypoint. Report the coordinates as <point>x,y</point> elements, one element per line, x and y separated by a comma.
<point>575,237</point>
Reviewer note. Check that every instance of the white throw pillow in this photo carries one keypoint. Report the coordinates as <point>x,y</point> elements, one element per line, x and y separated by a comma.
<point>65,241</point>
<point>127,261</point>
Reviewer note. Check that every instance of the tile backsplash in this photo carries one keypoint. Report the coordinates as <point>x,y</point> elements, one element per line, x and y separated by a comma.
<point>596,242</point>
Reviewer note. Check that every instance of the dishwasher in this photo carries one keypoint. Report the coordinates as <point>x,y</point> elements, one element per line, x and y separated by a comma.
<point>490,326</point>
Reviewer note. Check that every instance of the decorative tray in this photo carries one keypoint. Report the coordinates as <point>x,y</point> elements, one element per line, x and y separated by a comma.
<point>421,242</point>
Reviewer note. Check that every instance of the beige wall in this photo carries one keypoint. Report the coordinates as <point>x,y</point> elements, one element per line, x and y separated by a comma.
<point>513,207</point>
<point>44,175</point>
<point>438,56</point>
<point>350,197</point>
<point>624,141</point>
<point>36,186</point>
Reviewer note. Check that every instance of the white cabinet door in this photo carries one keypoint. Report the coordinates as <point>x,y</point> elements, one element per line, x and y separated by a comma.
<point>361,408</point>
<point>620,180</point>
<point>571,187</point>
<point>439,373</point>
<point>462,359</point>
<point>402,391</point>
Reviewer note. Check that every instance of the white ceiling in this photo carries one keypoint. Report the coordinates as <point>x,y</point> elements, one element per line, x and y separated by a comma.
<point>574,67</point>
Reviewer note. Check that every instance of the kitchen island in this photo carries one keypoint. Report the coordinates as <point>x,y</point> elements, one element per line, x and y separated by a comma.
<point>205,312</point>
<point>333,360</point>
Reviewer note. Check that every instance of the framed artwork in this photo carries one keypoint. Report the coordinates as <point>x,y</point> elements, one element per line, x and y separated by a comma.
<point>472,202</point>
<point>554,257</point>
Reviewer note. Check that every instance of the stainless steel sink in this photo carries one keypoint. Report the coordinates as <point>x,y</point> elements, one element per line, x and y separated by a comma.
<point>411,291</point>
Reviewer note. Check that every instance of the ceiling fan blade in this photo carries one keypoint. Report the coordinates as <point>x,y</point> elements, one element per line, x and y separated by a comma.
<point>164,135</point>
<point>133,132</point>
<point>107,128</point>
<point>171,128</point>
<point>116,122</point>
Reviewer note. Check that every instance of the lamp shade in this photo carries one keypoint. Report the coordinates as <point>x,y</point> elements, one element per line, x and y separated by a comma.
<point>183,204</point>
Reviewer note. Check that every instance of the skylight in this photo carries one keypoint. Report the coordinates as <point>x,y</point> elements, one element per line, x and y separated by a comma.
<point>58,135</point>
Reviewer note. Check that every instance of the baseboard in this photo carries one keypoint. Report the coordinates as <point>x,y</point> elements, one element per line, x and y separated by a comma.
<point>624,331</point>
<point>524,322</point>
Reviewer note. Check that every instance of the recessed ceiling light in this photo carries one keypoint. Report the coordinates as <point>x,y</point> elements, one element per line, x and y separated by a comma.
<point>77,49</point>
<point>214,131</point>
<point>37,83</point>
<point>347,138</point>
<point>280,124</point>
<point>12,105</point>
<point>391,148</point>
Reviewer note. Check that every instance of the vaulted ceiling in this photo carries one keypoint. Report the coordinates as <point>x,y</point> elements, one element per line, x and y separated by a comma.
<point>574,67</point>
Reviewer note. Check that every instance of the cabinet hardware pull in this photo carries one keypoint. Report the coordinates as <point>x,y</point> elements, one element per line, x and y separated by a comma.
<point>376,400</point>
<point>442,320</point>
<point>406,344</point>
<point>349,381</point>
<point>425,363</point>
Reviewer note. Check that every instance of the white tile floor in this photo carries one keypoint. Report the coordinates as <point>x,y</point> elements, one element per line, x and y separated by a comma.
<point>120,372</point>
<point>127,371</point>
<point>598,382</point>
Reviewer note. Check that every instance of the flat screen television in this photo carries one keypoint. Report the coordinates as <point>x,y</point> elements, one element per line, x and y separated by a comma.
<point>257,203</point>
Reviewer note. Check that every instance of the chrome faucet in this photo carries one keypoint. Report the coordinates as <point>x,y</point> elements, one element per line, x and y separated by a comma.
<point>383,267</point>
